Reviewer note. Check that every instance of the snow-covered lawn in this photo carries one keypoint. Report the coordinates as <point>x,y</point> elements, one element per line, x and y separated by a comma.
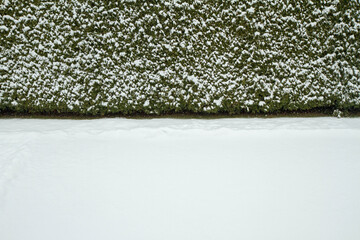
<point>225,179</point>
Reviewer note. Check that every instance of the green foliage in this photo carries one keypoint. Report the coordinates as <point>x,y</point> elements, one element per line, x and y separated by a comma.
<point>155,57</point>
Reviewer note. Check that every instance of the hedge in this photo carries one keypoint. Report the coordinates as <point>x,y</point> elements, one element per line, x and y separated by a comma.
<point>156,57</point>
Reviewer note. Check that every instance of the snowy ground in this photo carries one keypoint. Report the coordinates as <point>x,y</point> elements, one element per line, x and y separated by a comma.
<point>180,179</point>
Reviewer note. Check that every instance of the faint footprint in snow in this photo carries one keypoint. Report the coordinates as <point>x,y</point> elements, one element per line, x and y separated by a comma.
<point>11,164</point>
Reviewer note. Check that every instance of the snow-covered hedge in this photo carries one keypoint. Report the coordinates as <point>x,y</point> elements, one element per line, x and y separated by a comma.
<point>100,57</point>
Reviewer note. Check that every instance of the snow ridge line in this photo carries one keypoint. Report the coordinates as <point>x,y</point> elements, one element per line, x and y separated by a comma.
<point>105,126</point>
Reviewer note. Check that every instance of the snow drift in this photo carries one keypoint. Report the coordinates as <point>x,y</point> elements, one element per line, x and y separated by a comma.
<point>180,179</point>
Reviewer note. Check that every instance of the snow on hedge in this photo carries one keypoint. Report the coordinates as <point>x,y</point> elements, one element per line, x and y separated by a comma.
<point>100,57</point>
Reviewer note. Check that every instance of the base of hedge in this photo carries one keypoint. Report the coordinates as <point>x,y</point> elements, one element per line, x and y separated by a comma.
<point>317,112</point>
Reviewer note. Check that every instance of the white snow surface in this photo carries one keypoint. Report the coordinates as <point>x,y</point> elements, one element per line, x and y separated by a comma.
<point>281,178</point>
